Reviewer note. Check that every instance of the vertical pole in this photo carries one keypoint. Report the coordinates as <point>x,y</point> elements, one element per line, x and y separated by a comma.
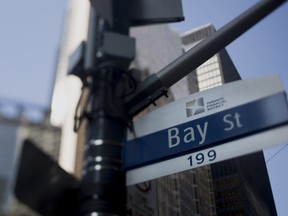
<point>103,182</point>
<point>103,188</point>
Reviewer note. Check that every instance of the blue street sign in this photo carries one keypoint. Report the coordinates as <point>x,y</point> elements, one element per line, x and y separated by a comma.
<point>214,129</point>
<point>207,119</point>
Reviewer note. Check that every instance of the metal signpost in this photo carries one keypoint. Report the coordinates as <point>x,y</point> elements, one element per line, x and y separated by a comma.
<point>104,67</point>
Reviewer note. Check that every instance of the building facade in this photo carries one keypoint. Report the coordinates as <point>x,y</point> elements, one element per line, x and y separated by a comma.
<point>67,89</point>
<point>231,179</point>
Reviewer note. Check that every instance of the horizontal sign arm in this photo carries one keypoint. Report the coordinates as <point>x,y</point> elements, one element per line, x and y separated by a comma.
<point>156,85</point>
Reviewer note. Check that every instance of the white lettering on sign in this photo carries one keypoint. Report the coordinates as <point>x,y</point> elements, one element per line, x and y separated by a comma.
<point>232,121</point>
<point>189,135</point>
<point>173,138</point>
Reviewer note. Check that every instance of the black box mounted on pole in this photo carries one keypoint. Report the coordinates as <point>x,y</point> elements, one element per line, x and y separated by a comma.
<point>144,12</point>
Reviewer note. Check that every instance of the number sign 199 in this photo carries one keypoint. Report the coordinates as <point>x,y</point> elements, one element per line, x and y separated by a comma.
<point>199,158</point>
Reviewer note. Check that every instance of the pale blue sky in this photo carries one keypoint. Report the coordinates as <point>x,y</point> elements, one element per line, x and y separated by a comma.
<point>29,38</point>
<point>30,34</point>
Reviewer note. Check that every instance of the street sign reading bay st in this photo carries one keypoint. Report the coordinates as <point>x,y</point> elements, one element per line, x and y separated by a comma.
<point>197,129</point>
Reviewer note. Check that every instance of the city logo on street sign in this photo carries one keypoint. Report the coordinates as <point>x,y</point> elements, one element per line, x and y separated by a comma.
<point>195,107</point>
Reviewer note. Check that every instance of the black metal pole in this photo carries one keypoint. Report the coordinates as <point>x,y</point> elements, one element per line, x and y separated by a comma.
<point>103,182</point>
<point>156,85</point>
<point>103,191</point>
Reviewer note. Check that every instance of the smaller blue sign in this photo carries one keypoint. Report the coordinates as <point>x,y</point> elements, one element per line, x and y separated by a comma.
<point>205,132</point>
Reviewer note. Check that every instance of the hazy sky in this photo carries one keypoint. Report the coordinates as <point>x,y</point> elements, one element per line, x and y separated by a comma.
<point>30,34</point>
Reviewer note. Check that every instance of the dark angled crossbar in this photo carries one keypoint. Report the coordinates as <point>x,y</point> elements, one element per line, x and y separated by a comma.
<point>43,185</point>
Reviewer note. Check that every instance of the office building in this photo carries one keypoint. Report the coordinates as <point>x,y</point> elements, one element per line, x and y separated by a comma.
<point>217,70</point>
<point>231,179</point>
<point>67,89</point>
